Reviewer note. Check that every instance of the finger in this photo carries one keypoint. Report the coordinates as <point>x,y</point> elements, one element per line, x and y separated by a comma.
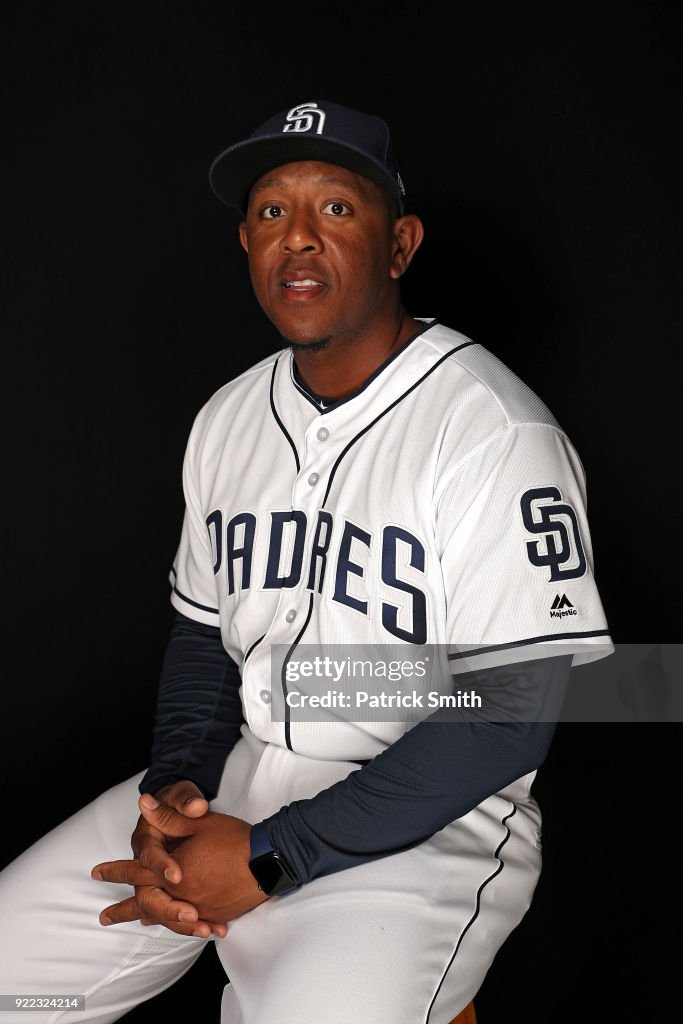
<point>120,913</point>
<point>149,846</point>
<point>201,930</point>
<point>185,797</point>
<point>155,902</point>
<point>164,818</point>
<point>130,872</point>
<point>130,910</point>
<point>157,906</point>
<point>117,913</point>
<point>152,904</point>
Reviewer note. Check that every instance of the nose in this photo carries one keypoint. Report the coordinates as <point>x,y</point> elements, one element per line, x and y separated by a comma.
<point>301,234</point>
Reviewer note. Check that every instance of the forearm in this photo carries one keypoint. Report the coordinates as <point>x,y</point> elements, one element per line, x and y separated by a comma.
<point>435,773</point>
<point>199,712</point>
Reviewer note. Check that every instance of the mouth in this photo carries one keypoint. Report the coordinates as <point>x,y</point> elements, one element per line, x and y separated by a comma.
<point>306,284</point>
<point>299,289</point>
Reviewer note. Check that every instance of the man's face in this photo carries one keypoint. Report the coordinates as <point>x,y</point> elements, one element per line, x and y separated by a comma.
<point>322,251</point>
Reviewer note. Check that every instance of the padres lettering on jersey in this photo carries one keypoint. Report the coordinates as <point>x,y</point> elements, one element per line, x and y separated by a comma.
<point>315,538</point>
<point>441,503</point>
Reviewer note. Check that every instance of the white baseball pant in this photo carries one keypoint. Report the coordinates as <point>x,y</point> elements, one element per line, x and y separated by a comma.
<point>406,938</point>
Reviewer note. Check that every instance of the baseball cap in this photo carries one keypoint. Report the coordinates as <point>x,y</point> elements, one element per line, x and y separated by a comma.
<point>309,131</point>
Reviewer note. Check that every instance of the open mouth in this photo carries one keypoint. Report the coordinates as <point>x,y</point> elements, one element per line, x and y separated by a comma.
<point>303,285</point>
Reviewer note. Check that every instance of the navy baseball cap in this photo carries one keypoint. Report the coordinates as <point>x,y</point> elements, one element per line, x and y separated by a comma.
<point>309,131</point>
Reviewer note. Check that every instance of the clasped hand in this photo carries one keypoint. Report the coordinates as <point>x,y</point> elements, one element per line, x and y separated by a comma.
<point>190,870</point>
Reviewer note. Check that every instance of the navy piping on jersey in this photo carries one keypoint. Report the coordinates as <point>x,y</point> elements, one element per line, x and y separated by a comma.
<point>277,418</point>
<point>319,401</point>
<point>382,367</point>
<point>288,737</point>
<point>501,864</point>
<point>336,466</point>
<point>400,398</point>
<point>255,644</point>
<point>523,643</point>
<point>188,600</point>
<point>335,403</point>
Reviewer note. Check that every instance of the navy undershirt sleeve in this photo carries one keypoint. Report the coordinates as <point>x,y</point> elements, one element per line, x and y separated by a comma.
<point>437,771</point>
<point>199,712</point>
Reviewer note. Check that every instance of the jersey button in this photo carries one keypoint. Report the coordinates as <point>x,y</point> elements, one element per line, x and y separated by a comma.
<point>313,479</point>
<point>265,696</point>
<point>291,615</point>
<point>323,434</point>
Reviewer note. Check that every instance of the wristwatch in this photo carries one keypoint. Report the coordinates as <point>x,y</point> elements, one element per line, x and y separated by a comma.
<point>268,866</point>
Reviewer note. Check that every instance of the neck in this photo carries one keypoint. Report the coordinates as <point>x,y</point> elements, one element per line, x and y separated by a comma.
<point>342,367</point>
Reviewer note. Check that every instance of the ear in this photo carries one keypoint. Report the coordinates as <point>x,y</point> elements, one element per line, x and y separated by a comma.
<point>243,236</point>
<point>407,237</point>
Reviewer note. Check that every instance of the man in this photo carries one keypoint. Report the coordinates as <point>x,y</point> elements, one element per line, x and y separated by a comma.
<point>382,490</point>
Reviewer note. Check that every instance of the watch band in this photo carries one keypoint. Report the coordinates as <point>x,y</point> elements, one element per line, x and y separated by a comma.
<point>259,841</point>
<point>270,869</point>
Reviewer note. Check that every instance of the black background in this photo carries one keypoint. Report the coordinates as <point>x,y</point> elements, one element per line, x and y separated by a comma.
<point>540,146</point>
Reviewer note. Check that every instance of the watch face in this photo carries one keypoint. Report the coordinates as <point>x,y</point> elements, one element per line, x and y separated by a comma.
<point>272,874</point>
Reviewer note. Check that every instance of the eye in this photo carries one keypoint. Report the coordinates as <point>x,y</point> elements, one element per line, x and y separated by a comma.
<point>336,208</point>
<point>272,212</point>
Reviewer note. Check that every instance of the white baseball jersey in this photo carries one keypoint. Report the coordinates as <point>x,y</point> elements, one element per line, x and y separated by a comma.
<point>440,504</point>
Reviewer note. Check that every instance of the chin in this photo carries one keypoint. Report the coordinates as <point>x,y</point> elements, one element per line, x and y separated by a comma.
<point>308,344</point>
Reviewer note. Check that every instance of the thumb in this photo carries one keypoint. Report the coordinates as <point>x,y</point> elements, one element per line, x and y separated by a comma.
<point>188,798</point>
<point>164,818</point>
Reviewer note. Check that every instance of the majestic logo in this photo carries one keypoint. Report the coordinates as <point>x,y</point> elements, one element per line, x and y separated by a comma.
<point>303,117</point>
<point>544,512</point>
<point>561,607</point>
